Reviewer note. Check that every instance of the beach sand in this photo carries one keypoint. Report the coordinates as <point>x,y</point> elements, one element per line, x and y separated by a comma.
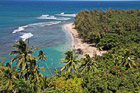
<point>79,45</point>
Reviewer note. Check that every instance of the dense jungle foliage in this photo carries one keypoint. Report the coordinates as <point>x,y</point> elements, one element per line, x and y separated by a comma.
<point>117,71</point>
<point>109,28</point>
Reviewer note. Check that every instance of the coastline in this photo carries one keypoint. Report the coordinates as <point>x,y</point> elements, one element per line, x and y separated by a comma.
<point>79,45</point>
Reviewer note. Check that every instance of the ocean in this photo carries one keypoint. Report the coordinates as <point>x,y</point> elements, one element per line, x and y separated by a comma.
<point>43,22</point>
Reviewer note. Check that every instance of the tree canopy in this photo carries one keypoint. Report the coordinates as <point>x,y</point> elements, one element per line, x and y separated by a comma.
<point>117,71</point>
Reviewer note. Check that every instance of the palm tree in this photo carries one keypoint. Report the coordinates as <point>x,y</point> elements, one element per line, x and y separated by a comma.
<point>42,57</point>
<point>88,64</point>
<point>70,61</point>
<point>23,54</point>
<point>22,86</point>
<point>125,57</point>
<point>8,77</point>
<point>129,61</point>
<point>36,77</point>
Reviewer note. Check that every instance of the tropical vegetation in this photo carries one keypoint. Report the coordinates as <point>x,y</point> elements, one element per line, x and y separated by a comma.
<point>117,71</point>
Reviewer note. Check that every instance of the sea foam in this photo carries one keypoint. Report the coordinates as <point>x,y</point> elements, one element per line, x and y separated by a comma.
<point>20,29</point>
<point>26,36</point>
<point>29,35</point>
<point>63,14</point>
<point>40,24</point>
<point>63,18</point>
<point>53,17</point>
<point>46,17</point>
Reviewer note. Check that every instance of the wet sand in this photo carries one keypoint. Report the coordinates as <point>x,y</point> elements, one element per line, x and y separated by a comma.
<point>79,45</point>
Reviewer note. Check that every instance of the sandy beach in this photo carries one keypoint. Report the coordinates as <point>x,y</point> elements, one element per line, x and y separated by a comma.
<point>78,44</point>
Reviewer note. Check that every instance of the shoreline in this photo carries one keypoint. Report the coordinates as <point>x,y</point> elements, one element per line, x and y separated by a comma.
<point>71,35</point>
<point>79,45</point>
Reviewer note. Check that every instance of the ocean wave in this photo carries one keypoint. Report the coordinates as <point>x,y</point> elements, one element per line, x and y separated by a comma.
<point>40,24</point>
<point>26,36</point>
<point>46,17</point>
<point>63,18</point>
<point>52,17</point>
<point>20,29</point>
<point>63,14</point>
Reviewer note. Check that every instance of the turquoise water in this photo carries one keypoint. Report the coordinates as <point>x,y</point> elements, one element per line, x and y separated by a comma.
<point>43,22</point>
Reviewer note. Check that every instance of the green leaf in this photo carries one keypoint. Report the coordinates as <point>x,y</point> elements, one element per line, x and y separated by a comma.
<point>23,65</point>
<point>42,68</point>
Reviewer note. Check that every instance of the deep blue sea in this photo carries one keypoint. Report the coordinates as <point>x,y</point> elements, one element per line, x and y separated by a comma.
<point>42,22</point>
